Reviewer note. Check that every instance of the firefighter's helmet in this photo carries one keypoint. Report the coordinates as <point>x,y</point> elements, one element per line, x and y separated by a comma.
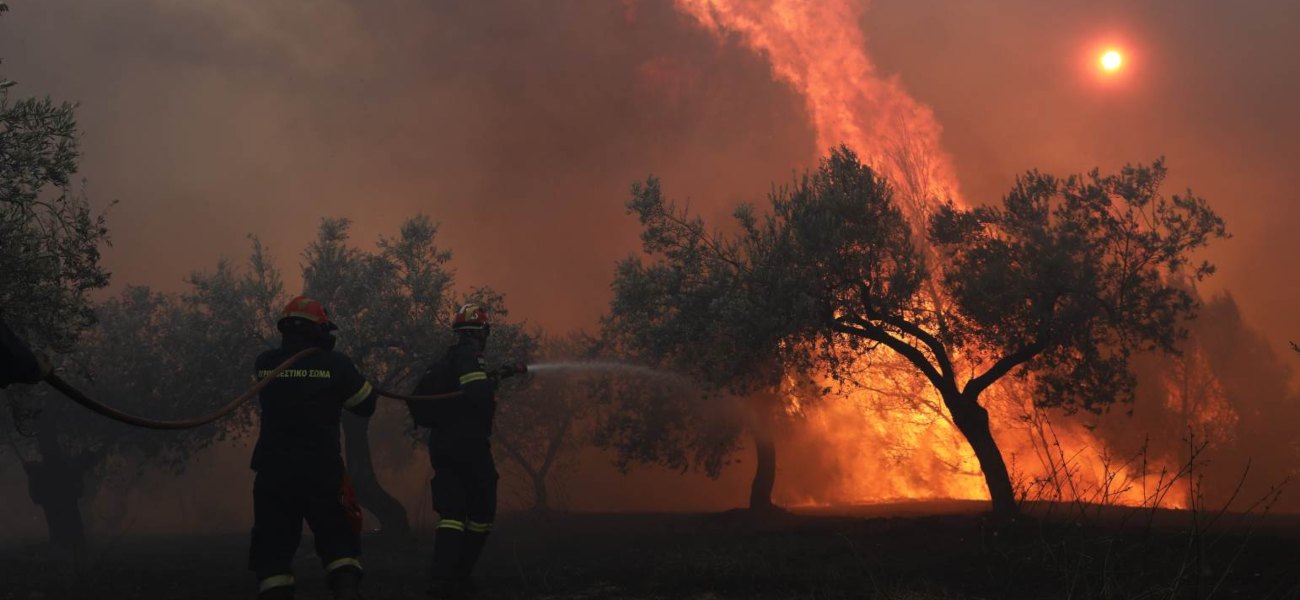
<point>303,307</point>
<point>469,317</point>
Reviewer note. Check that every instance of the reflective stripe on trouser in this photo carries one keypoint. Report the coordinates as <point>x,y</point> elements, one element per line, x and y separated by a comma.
<point>456,524</point>
<point>275,581</point>
<point>477,527</point>
<point>343,562</point>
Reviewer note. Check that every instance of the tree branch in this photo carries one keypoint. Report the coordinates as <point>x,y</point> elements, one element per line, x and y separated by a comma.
<point>1004,366</point>
<point>516,455</point>
<point>865,329</point>
<point>701,236</point>
<point>556,442</point>
<point>936,348</point>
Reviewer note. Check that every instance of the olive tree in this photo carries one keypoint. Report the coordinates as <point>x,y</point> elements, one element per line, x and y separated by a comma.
<point>1064,281</point>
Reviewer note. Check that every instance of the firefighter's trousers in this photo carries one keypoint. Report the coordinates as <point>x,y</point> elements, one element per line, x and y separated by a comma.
<point>282,499</point>
<point>465,497</point>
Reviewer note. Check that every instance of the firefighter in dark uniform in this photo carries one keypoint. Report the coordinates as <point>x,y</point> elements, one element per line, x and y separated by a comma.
<point>300,473</point>
<point>465,477</point>
<point>17,363</point>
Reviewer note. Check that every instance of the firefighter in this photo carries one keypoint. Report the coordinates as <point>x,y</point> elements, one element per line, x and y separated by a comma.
<point>17,362</point>
<point>300,471</point>
<point>464,484</point>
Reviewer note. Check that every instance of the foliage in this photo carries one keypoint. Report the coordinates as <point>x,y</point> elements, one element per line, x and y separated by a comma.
<point>1076,275</point>
<point>705,305</point>
<point>392,305</point>
<point>164,356</point>
<point>49,237</point>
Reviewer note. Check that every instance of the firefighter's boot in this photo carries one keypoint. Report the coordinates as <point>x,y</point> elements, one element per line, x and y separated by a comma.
<point>448,543</point>
<point>471,548</point>
<point>280,593</point>
<point>446,588</point>
<point>345,583</point>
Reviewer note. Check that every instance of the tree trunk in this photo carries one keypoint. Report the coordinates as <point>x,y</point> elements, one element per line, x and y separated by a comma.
<point>973,422</point>
<point>55,484</point>
<point>361,469</point>
<point>760,492</point>
<point>541,503</point>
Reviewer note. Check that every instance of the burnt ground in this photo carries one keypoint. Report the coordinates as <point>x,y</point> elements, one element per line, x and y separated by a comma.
<point>921,552</point>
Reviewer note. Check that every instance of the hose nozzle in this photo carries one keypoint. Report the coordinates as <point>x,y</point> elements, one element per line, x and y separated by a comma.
<point>512,370</point>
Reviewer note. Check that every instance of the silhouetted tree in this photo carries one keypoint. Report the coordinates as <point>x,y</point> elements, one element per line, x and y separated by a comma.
<point>540,419</point>
<point>393,306</point>
<point>49,261</point>
<point>163,356</point>
<point>703,306</point>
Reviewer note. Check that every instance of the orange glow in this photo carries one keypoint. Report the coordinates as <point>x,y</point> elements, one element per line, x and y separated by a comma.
<point>892,438</point>
<point>895,441</point>
<point>1111,61</point>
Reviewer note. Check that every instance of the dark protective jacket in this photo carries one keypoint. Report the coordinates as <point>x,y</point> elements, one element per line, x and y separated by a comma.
<point>302,407</point>
<point>468,417</point>
<point>17,363</point>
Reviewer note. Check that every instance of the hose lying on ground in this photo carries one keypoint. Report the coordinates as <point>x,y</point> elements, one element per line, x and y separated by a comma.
<point>73,393</point>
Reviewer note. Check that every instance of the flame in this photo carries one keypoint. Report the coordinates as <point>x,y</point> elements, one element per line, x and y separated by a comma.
<point>892,438</point>
<point>819,50</point>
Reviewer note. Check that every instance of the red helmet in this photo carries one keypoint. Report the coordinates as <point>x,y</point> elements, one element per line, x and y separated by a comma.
<point>470,316</point>
<point>303,307</point>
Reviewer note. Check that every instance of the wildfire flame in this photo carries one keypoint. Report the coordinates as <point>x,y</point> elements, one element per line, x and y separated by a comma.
<point>894,436</point>
<point>818,49</point>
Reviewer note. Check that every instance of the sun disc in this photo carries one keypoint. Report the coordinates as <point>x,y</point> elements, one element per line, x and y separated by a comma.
<point>1112,60</point>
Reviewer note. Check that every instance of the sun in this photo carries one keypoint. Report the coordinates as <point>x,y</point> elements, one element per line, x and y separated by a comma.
<point>1111,61</point>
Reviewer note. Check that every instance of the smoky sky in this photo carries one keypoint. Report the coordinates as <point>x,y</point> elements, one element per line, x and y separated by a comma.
<point>519,125</point>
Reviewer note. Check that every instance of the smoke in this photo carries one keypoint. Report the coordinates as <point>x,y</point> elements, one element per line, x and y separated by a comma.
<point>211,120</point>
<point>519,125</point>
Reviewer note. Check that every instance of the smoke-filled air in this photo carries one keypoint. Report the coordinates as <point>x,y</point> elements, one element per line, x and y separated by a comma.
<point>649,299</point>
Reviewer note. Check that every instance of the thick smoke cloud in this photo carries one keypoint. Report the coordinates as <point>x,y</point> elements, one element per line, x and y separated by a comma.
<point>519,124</point>
<point>523,122</point>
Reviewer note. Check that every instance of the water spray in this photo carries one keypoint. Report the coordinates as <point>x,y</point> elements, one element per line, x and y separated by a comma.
<point>613,367</point>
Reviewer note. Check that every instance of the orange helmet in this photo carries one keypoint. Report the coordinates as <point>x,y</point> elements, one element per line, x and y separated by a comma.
<point>470,316</point>
<point>303,307</point>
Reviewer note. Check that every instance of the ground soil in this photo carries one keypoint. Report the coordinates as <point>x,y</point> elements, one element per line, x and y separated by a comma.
<point>904,552</point>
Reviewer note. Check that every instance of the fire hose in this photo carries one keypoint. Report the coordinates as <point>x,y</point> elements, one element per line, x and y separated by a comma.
<point>76,396</point>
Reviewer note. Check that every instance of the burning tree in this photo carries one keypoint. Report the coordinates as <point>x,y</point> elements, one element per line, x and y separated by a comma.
<point>1063,281</point>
